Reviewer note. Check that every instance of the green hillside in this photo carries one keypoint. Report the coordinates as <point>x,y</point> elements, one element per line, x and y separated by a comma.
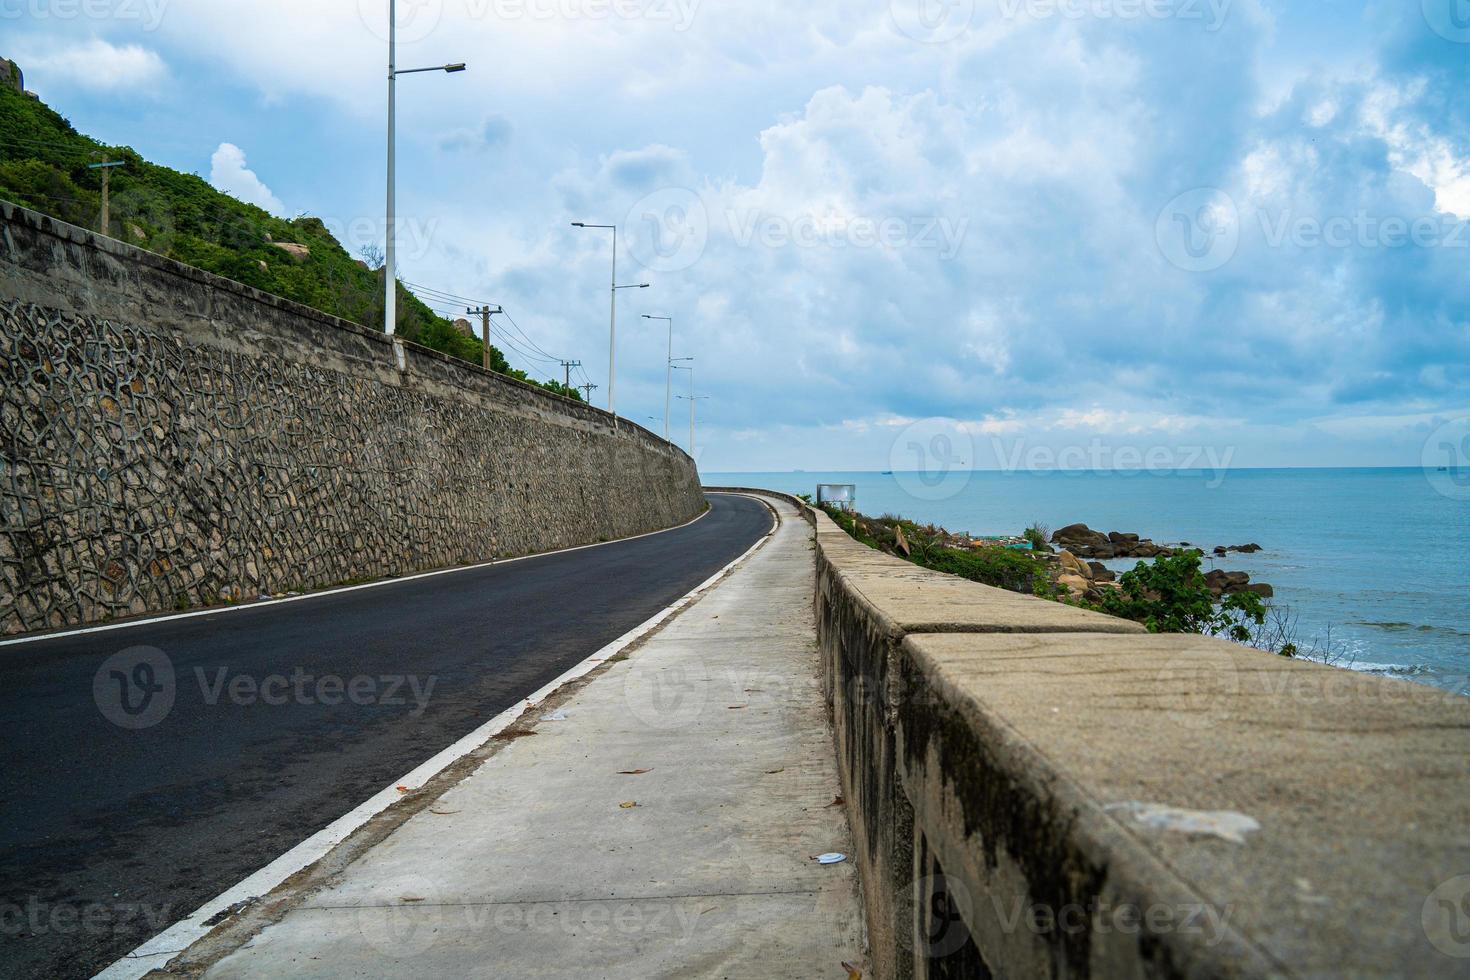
<point>43,166</point>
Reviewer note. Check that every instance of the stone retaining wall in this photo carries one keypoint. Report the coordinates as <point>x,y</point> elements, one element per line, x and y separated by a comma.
<point>1039,791</point>
<point>169,438</point>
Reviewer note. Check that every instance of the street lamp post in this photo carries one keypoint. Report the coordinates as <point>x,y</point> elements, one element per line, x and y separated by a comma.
<point>612,325</point>
<point>668,372</point>
<point>691,398</point>
<point>674,365</point>
<point>390,272</point>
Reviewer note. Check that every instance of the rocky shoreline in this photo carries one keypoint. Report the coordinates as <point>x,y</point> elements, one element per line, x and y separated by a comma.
<point>1080,552</point>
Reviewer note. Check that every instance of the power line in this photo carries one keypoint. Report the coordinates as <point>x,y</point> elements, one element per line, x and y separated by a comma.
<point>536,364</point>
<point>536,354</point>
<point>525,337</point>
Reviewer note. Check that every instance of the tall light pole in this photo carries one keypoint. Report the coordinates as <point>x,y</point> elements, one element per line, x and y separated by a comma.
<point>668,372</point>
<point>691,399</point>
<point>612,324</point>
<point>390,271</point>
<point>674,365</point>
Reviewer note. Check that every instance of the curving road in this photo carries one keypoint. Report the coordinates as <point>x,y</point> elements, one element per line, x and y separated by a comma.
<point>108,833</point>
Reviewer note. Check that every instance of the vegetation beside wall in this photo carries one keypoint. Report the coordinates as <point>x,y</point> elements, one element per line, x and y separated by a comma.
<point>1167,595</point>
<point>925,545</point>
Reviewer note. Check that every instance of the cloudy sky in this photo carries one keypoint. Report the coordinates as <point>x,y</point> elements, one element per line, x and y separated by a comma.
<point>1044,230</point>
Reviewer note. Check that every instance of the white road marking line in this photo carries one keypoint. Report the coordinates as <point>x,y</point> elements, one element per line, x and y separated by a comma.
<point>265,603</point>
<point>156,952</point>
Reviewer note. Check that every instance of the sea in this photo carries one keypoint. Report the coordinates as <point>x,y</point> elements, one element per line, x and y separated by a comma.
<point>1371,565</point>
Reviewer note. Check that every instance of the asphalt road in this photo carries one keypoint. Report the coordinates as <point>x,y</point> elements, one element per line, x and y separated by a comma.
<point>110,833</point>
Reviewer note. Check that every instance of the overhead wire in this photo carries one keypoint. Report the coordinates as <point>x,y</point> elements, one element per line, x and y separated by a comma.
<point>535,354</point>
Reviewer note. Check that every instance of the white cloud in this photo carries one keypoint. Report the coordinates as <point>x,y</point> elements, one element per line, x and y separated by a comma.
<point>1024,165</point>
<point>228,173</point>
<point>97,65</point>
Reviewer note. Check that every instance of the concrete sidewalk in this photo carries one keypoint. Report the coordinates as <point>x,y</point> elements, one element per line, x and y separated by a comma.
<point>662,821</point>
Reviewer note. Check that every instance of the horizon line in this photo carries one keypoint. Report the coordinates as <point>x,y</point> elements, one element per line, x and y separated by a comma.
<point>1120,469</point>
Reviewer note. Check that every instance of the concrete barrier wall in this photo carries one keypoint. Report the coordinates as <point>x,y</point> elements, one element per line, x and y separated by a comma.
<point>1040,791</point>
<point>169,438</point>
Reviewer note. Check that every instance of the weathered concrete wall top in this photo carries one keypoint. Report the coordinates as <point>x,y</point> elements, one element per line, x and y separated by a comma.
<point>169,438</point>
<point>1039,791</point>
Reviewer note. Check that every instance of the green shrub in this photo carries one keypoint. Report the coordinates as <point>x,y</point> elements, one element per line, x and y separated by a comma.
<point>1003,568</point>
<point>1169,595</point>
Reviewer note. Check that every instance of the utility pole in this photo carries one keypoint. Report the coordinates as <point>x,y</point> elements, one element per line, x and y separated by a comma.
<point>485,314</point>
<point>106,167</point>
<point>567,367</point>
<point>589,388</point>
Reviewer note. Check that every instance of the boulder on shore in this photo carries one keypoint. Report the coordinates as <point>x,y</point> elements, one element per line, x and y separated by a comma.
<point>1075,584</point>
<point>1223,583</point>
<point>1071,565</point>
<point>1083,541</point>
